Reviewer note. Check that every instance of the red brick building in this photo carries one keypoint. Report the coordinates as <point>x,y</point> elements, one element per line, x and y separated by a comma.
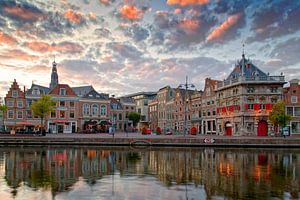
<point>291,96</point>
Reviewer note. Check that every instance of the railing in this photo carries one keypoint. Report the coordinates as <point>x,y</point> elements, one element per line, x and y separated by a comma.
<point>251,79</point>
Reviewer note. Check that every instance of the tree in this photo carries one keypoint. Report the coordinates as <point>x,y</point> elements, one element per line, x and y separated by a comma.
<point>277,116</point>
<point>3,109</point>
<point>134,117</point>
<point>42,108</point>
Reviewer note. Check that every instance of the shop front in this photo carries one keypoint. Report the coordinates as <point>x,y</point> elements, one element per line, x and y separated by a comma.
<point>62,126</point>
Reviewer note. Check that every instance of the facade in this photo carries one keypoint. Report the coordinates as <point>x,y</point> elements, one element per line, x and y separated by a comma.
<point>117,114</point>
<point>245,99</point>
<point>153,114</point>
<point>291,96</point>
<point>196,114</point>
<point>93,107</point>
<point>164,95</point>
<point>128,105</point>
<point>208,107</point>
<point>170,116</point>
<point>182,109</point>
<point>15,101</point>
<point>142,100</point>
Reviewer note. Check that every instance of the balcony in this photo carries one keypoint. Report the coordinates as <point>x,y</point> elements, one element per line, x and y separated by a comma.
<point>254,79</point>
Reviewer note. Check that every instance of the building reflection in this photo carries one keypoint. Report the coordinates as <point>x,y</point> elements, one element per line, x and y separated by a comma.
<point>230,173</point>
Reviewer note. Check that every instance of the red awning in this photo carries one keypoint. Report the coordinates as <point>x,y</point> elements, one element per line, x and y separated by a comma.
<point>25,123</point>
<point>60,120</point>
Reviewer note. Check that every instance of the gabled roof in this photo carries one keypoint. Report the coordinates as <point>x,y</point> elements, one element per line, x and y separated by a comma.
<point>82,90</point>
<point>56,90</point>
<point>115,104</point>
<point>93,94</point>
<point>42,89</point>
<point>248,69</point>
<point>127,100</point>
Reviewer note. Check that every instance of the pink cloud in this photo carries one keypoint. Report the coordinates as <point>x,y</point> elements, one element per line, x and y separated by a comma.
<point>18,55</point>
<point>177,11</point>
<point>63,47</point>
<point>105,2</point>
<point>131,12</point>
<point>189,26</point>
<point>187,2</point>
<point>73,16</point>
<point>6,39</point>
<point>23,13</point>
<point>219,32</point>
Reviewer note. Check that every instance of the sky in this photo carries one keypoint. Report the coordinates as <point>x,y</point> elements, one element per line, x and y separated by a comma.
<point>126,46</point>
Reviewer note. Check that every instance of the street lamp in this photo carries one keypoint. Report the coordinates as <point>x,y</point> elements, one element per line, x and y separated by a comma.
<point>185,86</point>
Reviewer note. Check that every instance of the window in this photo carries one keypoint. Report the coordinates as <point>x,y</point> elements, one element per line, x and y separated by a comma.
<point>295,127</point>
<point>10,103</point>
<point>204,114</point>
<point>53,114</point>
<point>208,92</point>
<point>262,106</point>
<point>10,114</point>
<point>95,109</point>
<point>62,103</point>
<point>14,93</point>
<point>35,91</point>
<point>72,104</point>
<point>139,110</point>
<point>212,102</point>
<point>120,116</point>
<point>29,114</point>
<point>250,90</point>
<point>103,110</point>
<point>86,109</point>
<point>274,89</point>
<point>62,114</point>
<point>20,115</point>
<point>297,111</point>
<point>273,100</point>
<point>20,104</point>
<point>145,102</point>
<point>294,99</point>
<point>208,112</point>
<point>214,112</point>
<point>289,111</point>
<point>72,115</point>
<point>250,104</point>
<point>208,103</point>
<point>62,91</point>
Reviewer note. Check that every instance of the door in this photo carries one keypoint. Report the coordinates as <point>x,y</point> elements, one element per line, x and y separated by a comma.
<point>262,128</point>
<point>60,128</point>
<point>228,131</point>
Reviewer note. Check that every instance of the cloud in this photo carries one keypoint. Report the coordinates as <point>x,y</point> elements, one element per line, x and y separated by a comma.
<point>6,39</point>
<point>21,11</point>
<point>122,51</point>
<point>189,26</point>
<point>74,17</point>
<point>187,2</point>
<point>62,47</point>
<point>221,30</point>
<point>17,55</point>
<point>136,32</point>
<point>106,2</point>
<point>131,12</point>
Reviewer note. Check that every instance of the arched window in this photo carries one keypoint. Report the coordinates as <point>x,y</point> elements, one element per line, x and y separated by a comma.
<point>95,109</point>
<point>86,109</point>
<point>103,110</point>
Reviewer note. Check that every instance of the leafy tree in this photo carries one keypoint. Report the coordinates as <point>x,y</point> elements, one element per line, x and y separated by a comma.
<point>135,117</point>
<point>3,109</point>
<point>42,108</point>
<point>277,116</point>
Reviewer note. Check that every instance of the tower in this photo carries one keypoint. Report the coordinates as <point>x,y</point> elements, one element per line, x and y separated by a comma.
<point>54,76</point>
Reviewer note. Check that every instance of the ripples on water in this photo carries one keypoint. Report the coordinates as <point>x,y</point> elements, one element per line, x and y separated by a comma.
<point>156,173</point>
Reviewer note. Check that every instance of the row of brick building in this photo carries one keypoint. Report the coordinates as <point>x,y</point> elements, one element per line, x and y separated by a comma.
<point>77,108</point>
<point>237,105</point>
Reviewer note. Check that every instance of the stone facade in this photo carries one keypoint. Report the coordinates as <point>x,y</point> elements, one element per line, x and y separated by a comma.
<point>291,97</point>
<point>164,95</point>
<point>196,111</point>
<point>153,114</point>
<point>245,99</point>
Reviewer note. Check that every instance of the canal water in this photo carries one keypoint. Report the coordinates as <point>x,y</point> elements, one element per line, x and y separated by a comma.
<point>128,173</point>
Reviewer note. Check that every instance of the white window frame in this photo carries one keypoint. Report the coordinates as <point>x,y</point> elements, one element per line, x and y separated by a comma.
<point>21,105</point>
<point>18,112</point>
<point>10,102</point>
<point>294,99</point>
<point>62,91</point>
<point>86,110</point>
<point>103,110</point>
<point>15,93</point>
<point>10,112</point>
<point>95,109</point>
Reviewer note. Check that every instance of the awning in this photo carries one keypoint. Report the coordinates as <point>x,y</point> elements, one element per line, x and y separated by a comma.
<point>228,125</point>
<point>60,121</point>
<point>25,123</point>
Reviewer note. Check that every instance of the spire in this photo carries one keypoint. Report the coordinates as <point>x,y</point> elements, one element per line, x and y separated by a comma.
<point>54,75</point>
<point>243,55</point>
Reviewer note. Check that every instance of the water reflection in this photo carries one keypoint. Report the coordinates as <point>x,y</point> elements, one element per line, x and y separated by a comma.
<point>167,173</point>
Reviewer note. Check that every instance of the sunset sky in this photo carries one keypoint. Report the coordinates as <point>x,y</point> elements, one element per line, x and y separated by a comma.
<point>122,47</point>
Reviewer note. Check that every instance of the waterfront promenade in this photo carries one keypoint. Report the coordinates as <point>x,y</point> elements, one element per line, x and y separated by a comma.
<point>137,139</point>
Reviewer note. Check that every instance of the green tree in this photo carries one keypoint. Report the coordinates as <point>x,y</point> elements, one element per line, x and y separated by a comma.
<point>135,117</point>
<point>277,116</point>
<point>3,109</point>
<point>42,108</point>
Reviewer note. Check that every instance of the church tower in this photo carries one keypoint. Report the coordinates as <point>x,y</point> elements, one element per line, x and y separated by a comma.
<point>54,76</point>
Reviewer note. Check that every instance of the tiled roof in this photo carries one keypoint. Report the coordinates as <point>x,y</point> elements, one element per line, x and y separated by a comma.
<point>69,91</point>
<point>93,94</point>
<point>42,89</point>
<point>82,90</point>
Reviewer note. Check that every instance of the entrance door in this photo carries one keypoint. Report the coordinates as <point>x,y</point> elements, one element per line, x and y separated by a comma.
<point>60,128</point>
<point>262,128</point>
<point>228,131</point>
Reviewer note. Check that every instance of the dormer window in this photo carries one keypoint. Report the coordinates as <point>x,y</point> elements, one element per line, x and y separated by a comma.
<point>62,91</point>
<point>35,91</point>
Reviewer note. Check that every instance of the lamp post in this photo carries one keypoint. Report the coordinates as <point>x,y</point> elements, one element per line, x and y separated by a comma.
<point>185,86</point>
